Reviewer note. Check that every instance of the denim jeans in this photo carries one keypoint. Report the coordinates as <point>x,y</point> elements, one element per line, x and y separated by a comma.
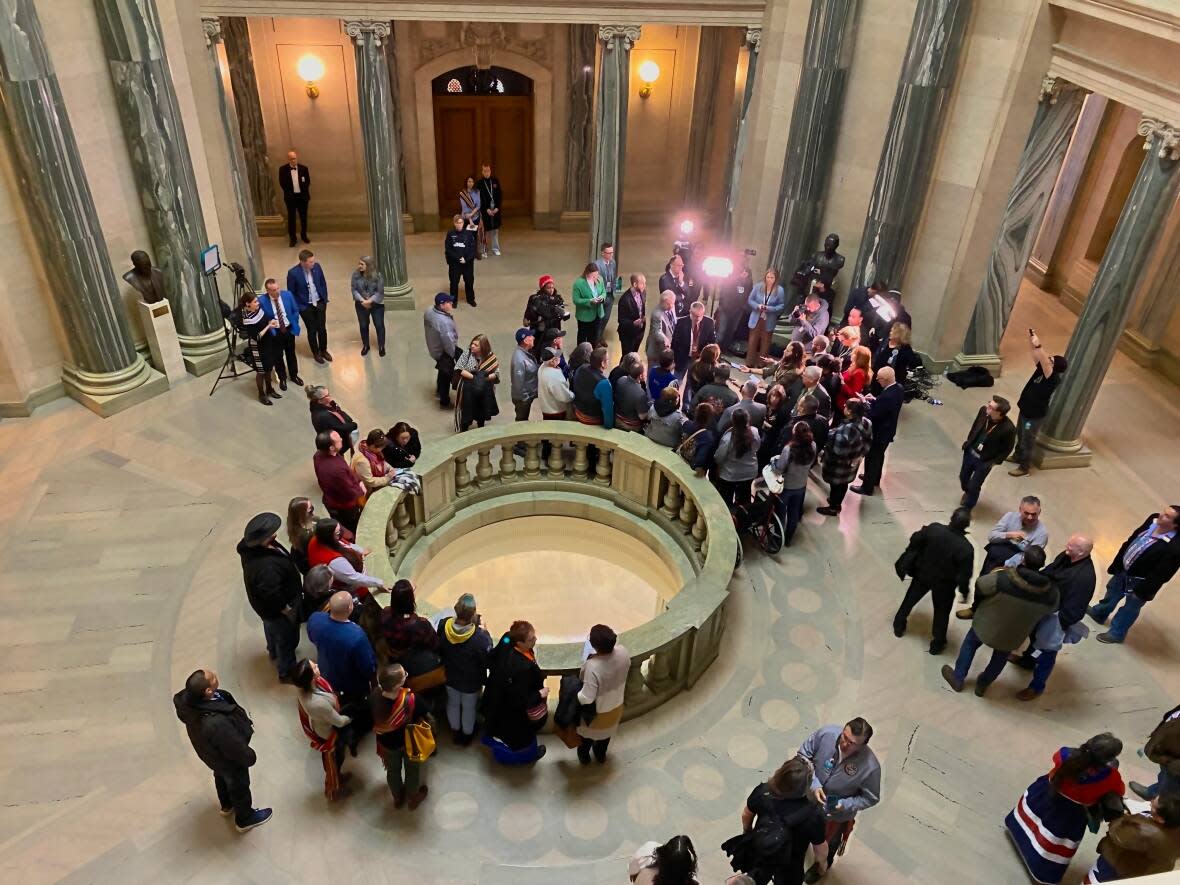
<point>1041,669</point>
<point>971,644</point>
<point>461,710</point>
<point>1166,783</point>
<point>971,478</point>
<point>1120,586</point>
<point>377,314</point>
<point>282,637</point>
<point>790,510</point>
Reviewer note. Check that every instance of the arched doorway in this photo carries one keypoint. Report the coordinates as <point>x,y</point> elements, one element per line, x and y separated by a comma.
<point>484,115</point>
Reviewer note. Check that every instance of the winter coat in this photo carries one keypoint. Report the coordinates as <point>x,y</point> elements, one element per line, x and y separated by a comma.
<point>272,579</point>
<point>846,446</point>
<point>939,557</point>
<point>1009,602</point>
<point>1138,845</point>
<point>1155,566</point>
<point>442,337</point>
<point>218,728</point>
<point>1163,747</point>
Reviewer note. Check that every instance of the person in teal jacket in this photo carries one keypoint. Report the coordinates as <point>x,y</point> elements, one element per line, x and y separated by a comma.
<point>589,295</point>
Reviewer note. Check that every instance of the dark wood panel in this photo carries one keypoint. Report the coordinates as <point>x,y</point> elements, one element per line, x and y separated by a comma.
<point>455,137</point>
<point>470,130</point>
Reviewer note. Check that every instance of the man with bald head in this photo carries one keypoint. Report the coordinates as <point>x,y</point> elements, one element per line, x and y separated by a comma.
<point>346,660</point>
<point>1073,574</point>
<point>884,410</point>
<point>295,183</point>
<point>220,731</point>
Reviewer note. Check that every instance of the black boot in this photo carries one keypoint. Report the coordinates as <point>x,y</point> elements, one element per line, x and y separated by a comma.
<point>261,382</point>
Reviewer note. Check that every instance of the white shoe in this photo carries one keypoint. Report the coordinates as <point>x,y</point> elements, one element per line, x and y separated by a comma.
<point>495,251</point>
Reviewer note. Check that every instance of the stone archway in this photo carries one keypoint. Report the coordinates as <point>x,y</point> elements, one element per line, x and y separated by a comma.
<point>542,113</point>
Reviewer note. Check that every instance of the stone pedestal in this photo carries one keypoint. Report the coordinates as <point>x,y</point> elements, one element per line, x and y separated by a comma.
<point>382,159</point>
<point>1104,315</point>
<point>162,341</point>
<point>158,148</point>
<point>827,55</point>
<point>614,75</point>
<point>910,146</point>
<point>102,370</point>
<point>1040,165</point>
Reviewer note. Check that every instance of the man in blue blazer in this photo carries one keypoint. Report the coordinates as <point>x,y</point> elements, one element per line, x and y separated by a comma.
<point>306,282</point>
<point>884,410</point>
<point>278,341</point>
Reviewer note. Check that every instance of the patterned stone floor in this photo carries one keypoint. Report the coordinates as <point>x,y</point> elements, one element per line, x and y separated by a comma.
<point>119,578</point>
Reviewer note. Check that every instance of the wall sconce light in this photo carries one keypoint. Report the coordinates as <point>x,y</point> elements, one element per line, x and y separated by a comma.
<point>649,72</point>
<point>311,69</point>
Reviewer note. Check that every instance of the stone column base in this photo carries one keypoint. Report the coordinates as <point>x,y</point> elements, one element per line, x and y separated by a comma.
<point>1051,454</point>
<point>399,297</point>
<point>573,222</point>
<point>107,393</point>
<point>990,361</point>
<point>203,353</point>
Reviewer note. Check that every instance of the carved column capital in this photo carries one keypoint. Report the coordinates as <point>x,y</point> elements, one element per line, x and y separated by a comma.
<point>211,25</point>
<point>754,38</point>
<point>629,33</point>
<point>1050,88</point>
<point>1169,148</point>
<point>356,28</point>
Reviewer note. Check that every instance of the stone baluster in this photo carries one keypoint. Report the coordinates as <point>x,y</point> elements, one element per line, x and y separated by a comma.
<point>581,462</point>
<point>401,517</point>
<point>609,152</point>
<point>635,691</point>
<point>532,459</point>
<point>602,467</point>
<point>671,500</point>
<point>556,464</point>
<point>462,477</point>
<point>483,467</point>
<point>231,133</point>
<point>1104,315</point>
<point>688,513</point>
<point>1040,164</point>
<point>661,671</point>
<point>909,149</point>
<point>102,370</point>
<point>392,539</point>
<point>507,464</point>
<point>382,158</point>
<point>699,532</point>
<point>158,150</point>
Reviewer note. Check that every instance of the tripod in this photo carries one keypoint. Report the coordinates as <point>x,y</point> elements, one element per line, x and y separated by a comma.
<point>229,328</point>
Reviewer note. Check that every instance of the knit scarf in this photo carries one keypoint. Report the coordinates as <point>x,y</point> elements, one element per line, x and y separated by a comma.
<point>457,634</point>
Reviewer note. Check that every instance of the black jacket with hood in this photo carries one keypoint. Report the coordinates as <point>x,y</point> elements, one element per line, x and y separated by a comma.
<point>219,729</point>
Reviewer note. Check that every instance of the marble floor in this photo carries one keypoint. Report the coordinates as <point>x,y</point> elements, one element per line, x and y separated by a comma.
<point>119,578</point>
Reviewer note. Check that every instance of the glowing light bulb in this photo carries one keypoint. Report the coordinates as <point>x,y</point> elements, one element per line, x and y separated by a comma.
<point>649,72</point>
<point>310,68</point>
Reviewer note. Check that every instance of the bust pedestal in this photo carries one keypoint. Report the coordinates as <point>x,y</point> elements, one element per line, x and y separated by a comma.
<point>162,341</point>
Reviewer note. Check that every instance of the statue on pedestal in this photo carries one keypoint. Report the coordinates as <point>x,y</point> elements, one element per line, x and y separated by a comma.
<point>148,281</point>
<point>822,265</point>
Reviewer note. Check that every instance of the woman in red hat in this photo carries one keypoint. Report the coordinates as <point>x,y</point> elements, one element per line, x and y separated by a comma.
<point>545,310</point>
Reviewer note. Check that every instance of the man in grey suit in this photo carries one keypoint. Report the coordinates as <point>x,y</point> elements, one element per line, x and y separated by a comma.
<point>660,326</point>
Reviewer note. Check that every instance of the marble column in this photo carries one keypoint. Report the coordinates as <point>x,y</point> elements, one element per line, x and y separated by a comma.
<point>1104,314</point>
<point>614,76</point>
<point>579,135</point>
<point>382,158</point>
<point>702,129</point>
<point>1040,164</point>
<point>235,31</point>
<point>158,148</point>
<point>827,55</point>
<point>395,99</point>
<point>243,202</point>
<point>103,370</point>
<point>908,153</point>
<point>742,131</point>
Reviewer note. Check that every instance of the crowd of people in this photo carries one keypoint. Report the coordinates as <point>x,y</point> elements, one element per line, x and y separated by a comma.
<point>759,415</point>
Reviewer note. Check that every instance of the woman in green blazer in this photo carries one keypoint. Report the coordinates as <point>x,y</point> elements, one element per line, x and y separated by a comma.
<point>589,295</point>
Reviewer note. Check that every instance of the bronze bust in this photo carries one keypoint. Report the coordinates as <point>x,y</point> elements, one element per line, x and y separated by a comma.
<point>148,281</point>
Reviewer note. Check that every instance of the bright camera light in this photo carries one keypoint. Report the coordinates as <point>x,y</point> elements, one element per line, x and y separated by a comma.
<point>717,267</point>
<point>687,227</point>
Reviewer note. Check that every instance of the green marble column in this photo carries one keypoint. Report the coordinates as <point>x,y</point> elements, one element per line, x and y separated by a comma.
<point>827,55</point>
<point>579,127</point>
<point>911,141</point>
<point>382,158</point>
<point>1104,315</point>
<point>264,189</point>
<point>614,75</point>
<point>103,370</point>
<point>741,136</point>
<point>243,203</point>
<point>1040,164</point>
<point>702,129</point>
<point>158,148</point>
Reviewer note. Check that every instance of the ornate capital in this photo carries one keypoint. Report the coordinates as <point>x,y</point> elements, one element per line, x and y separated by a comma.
<point>211,25</point>
<point>356,28</point>
<point>629,33</point>
<point>1169,146</point>
<point>753,38</point>
<point>1050,88</point>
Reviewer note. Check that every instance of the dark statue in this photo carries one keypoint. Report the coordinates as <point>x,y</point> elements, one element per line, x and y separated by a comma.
<point>823,265</point>
<point>148,281</point>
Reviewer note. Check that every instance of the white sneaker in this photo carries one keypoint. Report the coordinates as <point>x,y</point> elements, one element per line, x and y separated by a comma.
<point>495,251</point>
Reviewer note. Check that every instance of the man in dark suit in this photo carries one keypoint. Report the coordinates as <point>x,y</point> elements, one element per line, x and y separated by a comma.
<point>633,314</point>
<point>1148,559</point>
<point>938,559</point>
<point>306,282</point>
<point>676,279</point>
<point>690,335</point>
<point>278,341</point>
<point>808,384</point>
<point>295,181</point>
<point>884,410</point>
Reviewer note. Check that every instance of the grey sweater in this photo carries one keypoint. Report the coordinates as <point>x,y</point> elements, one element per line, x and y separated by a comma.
<point>733,467</point>
<point>794,473</point>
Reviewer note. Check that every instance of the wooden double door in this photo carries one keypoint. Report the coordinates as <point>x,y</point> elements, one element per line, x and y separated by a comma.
<point>470,130</point>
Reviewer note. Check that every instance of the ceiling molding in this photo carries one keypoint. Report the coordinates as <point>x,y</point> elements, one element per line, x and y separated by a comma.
<point>1150,97</point>
<point>1159,18</point>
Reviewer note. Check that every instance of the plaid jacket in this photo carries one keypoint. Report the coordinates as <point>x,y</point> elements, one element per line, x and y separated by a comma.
<point>846,446</point>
